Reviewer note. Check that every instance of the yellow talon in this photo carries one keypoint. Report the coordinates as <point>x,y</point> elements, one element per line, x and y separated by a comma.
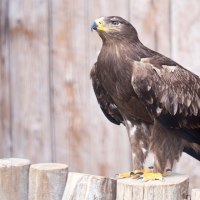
<point>134,176</point>
<point>167,172</point>
<point>144,174</point>
<point>138,173</point>
<point>152,176</point>
<point>124,175</point>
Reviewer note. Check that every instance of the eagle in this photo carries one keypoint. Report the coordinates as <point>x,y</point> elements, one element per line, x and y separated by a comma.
<point>156,99</point>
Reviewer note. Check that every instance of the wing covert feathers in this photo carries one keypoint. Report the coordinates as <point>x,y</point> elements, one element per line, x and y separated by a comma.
<point>168,90</point>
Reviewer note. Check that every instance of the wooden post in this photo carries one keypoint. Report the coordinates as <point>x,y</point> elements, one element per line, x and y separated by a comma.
<point>173,187</point>
<point>14,179</point>
<point>90,187</point>
<point>47,181</point>
<point>196,194</point>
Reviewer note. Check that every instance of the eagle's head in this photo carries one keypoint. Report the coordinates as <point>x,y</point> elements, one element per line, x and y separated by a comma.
<point>114,27</point>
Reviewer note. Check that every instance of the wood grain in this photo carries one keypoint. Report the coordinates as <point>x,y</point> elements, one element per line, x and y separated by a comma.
<point>84,138</point>
<point>90,187</point>
<point>14,179</point>
<point>29,65</point>
<point>70,81</point>
<point>47,181</point>
<point>174,187</point>
<point>151,18</point>
<point>5,109</point>
<point>185,34</point>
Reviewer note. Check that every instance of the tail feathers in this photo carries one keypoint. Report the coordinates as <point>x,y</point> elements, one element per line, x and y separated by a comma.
<point>192,153</point>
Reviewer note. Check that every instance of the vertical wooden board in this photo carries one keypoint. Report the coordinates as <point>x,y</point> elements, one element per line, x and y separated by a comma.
<point>110,149</point>
<point>185,33</point>
<point>151,18</point>
<point>4,83</point>
<point>186,51</point>
<point>29,62</point>
<point>70,78</point>
<point>82,139</point>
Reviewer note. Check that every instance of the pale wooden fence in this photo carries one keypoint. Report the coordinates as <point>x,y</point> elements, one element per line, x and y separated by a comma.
<point>47,104</point>
<point>19,180</point>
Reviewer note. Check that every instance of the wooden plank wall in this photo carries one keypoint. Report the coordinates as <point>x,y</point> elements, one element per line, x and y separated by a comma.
<point>48,111</point>
<point>5,123</point>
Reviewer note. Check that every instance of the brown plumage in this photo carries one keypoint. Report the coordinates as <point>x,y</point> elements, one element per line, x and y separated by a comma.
<point>154,97</point>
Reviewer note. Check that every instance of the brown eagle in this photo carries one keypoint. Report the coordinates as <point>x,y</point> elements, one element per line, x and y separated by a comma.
<point>154,97</point>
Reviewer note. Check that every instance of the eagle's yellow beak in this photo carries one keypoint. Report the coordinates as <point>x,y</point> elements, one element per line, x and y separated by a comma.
<point>99,25</point>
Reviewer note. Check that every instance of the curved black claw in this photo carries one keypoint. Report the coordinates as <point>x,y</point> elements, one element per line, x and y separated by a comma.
<point>116,175</point>
<point>132,173</point>
<point>141,173</point>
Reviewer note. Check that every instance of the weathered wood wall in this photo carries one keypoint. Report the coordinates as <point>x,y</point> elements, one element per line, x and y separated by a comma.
<point>48,111</point>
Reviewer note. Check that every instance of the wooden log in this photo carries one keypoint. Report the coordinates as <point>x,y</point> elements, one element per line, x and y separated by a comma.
<point>14,179</point>
<point>47,181</point>
<point>173,187</point>
<point>195,194</point>
<point>90,187</point>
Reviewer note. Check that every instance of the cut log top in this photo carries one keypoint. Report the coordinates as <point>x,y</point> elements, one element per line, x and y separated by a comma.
<point>49,166</point>
<point>173,187</point>
<point>172,179</point>
<point>14,162</point>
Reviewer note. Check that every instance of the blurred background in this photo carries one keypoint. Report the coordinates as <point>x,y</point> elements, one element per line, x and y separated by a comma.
<point>48,110</point>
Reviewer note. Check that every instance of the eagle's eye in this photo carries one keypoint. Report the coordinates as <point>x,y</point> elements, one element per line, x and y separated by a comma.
<point>115,23</point>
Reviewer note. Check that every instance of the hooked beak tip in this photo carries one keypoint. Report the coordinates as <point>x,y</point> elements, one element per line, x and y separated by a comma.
<point>94,26</point>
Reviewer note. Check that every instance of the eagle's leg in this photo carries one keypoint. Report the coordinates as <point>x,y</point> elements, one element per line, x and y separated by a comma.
<point>139,137</point>
<point>139,141</point>
<point>166,145</point>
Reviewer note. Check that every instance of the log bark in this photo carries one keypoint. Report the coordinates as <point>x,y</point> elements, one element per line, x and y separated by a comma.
<point>47,181</point>
<point>14,179</point>
<point>196,194</point>
<point>173,187</point>
<point>90,187</point>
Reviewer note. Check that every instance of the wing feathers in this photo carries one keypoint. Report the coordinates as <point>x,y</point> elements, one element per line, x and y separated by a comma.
<point>171,88</point>
<point>107,105</point>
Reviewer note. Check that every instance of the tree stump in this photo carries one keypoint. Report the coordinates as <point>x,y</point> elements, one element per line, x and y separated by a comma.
<point>173,187</point>
<point>90,187</point>
<point>196,194</point>
<point>47,181</point>
<point>14,179</point>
